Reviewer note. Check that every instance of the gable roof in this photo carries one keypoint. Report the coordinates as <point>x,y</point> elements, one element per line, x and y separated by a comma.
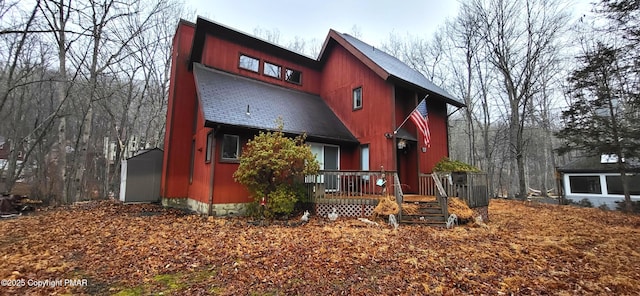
<point>592,164</point>
<point>226,97</point>
<point>386,65</point>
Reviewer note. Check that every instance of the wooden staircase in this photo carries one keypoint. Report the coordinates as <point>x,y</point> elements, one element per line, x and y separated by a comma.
<point>429,213</point>
<point>432,213</point>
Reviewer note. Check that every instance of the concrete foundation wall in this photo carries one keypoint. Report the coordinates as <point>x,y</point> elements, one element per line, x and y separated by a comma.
<point>228,209</point>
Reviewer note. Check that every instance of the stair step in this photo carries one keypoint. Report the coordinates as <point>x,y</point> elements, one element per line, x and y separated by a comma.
<point>429,211</point>
<point>423,218</point>
<point>429,223</point>
<point>426,205</point>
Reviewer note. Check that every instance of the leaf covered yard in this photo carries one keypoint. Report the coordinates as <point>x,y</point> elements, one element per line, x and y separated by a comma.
<point>526,249</point>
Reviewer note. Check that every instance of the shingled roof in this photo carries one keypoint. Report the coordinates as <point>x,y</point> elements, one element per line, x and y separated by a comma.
<point>388,66</point>
<point>592,164</point>
<point>226,97</point>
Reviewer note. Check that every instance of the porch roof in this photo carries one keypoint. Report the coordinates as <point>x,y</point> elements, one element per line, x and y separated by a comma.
<point>233,100</point>
<point>404,134</point>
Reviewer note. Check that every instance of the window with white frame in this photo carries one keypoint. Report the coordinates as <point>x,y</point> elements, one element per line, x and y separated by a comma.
<point>230,147</point>
<point>272,70</point>
<point>364,160</point>
<point>357,98</point>
<point>249,63</point>
<point>614,184</point>
<point>585,184</point>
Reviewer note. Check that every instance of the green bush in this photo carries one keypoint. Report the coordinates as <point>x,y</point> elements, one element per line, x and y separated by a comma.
<point>447,165</point>
<point>281,202</point>
<point>273,166</point>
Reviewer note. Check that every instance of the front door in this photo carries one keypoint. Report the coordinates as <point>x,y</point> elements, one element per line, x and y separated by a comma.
<point>407,160</point>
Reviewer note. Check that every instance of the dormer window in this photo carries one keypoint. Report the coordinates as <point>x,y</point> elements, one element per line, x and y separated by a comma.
<point>249,63</point>
<point>293,76</point>
<point>272,70</point>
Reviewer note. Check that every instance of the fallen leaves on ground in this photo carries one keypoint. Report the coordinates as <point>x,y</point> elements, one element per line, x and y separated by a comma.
<point>527,249</point>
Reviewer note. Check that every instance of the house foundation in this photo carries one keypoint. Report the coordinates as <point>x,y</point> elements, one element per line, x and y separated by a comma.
<point>226,209</point>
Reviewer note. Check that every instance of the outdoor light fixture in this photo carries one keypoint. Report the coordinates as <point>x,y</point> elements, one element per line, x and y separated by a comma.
<point>402,144</point>
<point>388,135</point>
<point>248,112</point>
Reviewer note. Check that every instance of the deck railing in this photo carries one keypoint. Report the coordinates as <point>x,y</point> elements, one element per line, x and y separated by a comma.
<point>350,193</point>
<point>333,184</point>
<point>470,187</point>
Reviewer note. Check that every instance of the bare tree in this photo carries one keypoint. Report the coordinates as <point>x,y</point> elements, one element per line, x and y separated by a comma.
<point>522,37</point>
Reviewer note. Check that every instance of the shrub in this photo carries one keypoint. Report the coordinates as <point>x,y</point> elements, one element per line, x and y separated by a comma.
<point>447,165</point>
<point>635,206</point>
<point>272,167</point>
<point>585,203</point>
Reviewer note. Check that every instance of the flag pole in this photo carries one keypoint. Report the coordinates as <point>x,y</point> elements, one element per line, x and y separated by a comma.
<point>407,118</point>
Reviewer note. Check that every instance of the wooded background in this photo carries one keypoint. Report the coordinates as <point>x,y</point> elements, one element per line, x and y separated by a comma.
<point>83,83</point>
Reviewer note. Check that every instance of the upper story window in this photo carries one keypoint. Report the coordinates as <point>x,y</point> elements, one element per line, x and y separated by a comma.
<point>272,70</point>
<point>357,98</point>
<point>230,147</point>
<point>249,63</point>
<point>293,76</point>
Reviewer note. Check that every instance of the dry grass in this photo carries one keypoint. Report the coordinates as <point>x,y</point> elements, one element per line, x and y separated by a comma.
<point>458,207</point>
<point>527,249</point>
<point>386,206</point>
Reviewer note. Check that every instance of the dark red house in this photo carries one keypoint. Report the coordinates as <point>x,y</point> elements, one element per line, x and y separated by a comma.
<point>226,86</point>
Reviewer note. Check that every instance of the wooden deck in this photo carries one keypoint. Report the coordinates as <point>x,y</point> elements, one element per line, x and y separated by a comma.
<point>407,197</point>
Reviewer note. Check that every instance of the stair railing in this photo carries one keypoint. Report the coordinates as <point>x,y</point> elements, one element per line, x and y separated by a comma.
<point>398,193</point>
<point>441,194</point>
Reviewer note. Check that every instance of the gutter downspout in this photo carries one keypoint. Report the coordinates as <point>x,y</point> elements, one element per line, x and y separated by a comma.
<point>213,166</point>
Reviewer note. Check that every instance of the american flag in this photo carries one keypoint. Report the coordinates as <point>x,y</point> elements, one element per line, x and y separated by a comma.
<point>420,118</point>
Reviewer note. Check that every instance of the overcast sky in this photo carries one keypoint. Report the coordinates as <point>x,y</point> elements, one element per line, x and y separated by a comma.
<point>313,19</point>
<point>375,19</point>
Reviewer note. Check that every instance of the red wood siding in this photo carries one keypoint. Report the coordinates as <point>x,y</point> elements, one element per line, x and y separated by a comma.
<point>200,187</point>
<point>224,55</point>
<point>179,127</point>
<point>226,189</point>
<point>341,74</point>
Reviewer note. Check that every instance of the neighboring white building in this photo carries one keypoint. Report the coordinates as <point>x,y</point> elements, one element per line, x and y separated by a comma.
<point>597,179</point>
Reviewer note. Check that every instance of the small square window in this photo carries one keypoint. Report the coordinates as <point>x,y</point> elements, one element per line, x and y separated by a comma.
<point>249,63</point>
<point>293,76</point>
<point>230,147</point>
<point>357,98</point>
<point>207,156</point>
<point>272,70</point>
